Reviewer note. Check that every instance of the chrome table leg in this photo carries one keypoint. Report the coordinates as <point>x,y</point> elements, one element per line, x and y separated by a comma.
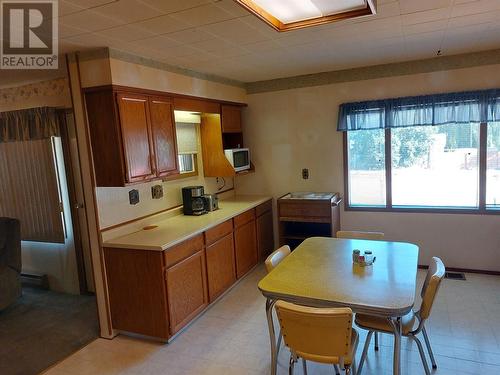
<point>272,336</point>
<point>429,349</point>
<point>396,326</point>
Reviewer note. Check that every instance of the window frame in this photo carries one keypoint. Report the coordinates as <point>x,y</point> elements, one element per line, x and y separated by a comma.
<point>481,210</point>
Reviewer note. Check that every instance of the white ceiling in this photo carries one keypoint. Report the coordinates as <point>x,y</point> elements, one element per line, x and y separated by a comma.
<point>220,37</point>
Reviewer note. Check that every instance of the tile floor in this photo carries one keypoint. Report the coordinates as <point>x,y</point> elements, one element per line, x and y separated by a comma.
<point>231,338</point>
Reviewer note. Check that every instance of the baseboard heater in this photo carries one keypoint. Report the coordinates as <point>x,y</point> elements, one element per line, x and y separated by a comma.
<point>35,279</point>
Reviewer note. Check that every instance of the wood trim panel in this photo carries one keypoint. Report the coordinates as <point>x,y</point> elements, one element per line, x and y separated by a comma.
<point>137,292</point>
<point>216,233</point>
<point>150,92</point>
<point>185,249</point>
<point>196,105</point>
<point>244,218</point>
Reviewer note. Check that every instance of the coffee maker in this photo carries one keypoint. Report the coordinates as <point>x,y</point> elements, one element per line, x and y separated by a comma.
<point>193,201</point>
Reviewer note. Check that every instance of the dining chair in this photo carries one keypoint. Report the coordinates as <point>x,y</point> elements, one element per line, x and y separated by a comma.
<point>435,275</point>
<point>276,257</point>
<point>359,235</point>
<point>271,262</point>
<point>323,335</point>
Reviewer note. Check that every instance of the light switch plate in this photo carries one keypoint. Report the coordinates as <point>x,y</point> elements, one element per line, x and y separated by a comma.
<point>157,191</point>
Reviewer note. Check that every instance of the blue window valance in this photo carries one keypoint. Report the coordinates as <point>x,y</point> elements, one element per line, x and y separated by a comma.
<point>439,109</point>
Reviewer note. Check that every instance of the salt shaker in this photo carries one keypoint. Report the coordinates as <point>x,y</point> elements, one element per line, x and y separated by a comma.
<point>355,255</point>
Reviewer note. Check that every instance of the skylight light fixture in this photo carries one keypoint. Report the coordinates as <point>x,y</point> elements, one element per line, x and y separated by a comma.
<point>285,15</point>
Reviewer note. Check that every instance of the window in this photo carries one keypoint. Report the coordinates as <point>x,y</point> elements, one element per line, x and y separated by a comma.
<point>367,168</point>
<point>493,166</point>
<point>435,166</point>
<point>187,163</point>
<point>186,125</point>
<point>438,152</point>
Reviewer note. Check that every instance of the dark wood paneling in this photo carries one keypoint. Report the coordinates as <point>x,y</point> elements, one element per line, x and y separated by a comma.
<point>164,137</point>
<point>244,218</point>
<point>186,290</point>
<point>231,119</point>
<point>245,242</point>
<point>219,231</point>
<point>136,136</point>
<point>137,291</point>
<point>105,137</point>
<point>177,253</point>
<point>265,234</point>
<point>196,105</point>
<point>221,270</point>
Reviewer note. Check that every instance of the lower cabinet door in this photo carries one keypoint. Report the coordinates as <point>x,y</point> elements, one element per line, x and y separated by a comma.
<point>186,290</point>
<point>220,266</point>
<point>265,234</point>
<point>245,241</point>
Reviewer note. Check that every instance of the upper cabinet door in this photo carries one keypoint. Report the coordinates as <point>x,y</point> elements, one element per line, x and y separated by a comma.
<point>231,119</point>
<point>163,127</point>
<point>136,135</point>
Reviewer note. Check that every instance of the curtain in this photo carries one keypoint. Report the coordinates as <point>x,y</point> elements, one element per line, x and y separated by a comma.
<point>439,109</point>
<point>28,124</point>
<point>29,189</point>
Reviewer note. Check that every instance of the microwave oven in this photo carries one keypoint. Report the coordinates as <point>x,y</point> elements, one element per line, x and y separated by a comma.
<point>239,158</point>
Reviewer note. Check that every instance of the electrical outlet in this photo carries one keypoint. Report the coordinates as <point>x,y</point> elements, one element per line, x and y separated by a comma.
<point>157,191</point>
<point>305,173</point>
<point>133,196</point>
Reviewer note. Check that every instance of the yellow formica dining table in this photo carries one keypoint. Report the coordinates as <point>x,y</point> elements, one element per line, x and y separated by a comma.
<point>320,273</point>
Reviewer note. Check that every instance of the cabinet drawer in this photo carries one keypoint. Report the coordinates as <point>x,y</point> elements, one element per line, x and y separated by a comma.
<point>244,218</point>
<point>264,207</point>
<point>305,210</point>
<point>216,233</point>
<point>183,250</point>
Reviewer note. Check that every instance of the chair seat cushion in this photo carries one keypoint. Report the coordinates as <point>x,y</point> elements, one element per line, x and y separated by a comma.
<point>377,323</point>
<point>334,360</point>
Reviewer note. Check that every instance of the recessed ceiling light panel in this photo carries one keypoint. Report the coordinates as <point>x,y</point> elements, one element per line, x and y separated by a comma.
<point>284,15</point>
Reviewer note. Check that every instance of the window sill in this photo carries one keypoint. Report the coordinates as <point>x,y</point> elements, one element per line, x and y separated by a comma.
<point>434,210</point>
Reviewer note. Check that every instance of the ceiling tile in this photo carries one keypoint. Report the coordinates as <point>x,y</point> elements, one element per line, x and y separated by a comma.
<point>188,36</point>
<point>127,11</point>
<point>163,24</point>
<point>412,6</point>
<point>170,6</point>
<point>127,33</point>
<point>89,20</point>
<point>66,8</point>
<point>159,42</point>
<point>426,16</point>
<point>235,31</point>
<point>202,15</point>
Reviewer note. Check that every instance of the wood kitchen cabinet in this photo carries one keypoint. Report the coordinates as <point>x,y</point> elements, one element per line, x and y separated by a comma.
<point>132,136</point>
<point>245,242</point>
<point>231,118</point>
<point>136,288</point>
<point>164,137</point>
<point>186,290</point>
<point>156,293</point>
<point>221,269</point>
<point>265,233</point>
<point>136,136</point>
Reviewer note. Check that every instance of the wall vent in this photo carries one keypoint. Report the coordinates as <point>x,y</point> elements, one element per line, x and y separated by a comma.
<point>454,275</point>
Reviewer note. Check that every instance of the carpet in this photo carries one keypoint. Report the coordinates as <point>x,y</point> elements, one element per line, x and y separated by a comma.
<point>42,328</point>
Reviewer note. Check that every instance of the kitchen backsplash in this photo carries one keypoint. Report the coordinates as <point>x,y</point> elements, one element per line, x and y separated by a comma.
<point>114,207</point>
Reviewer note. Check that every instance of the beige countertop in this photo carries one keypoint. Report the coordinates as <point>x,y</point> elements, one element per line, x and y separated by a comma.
<point>176,229</point>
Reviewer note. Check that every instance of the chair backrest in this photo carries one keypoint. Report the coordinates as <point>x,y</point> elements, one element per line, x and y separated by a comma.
<point>276,257</point>
<point>317,334</point>
<point>435,275</point>
<point>358,235</point>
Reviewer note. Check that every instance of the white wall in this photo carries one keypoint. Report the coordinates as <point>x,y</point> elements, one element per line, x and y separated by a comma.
<point>293,129</point>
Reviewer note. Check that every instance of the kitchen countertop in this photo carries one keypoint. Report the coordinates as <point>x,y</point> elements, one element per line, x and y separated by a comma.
<point>176,229</point>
